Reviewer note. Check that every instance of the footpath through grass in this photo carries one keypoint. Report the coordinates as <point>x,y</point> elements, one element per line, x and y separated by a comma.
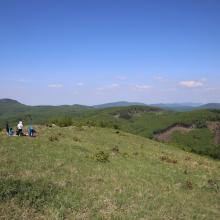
<point>99,173</point>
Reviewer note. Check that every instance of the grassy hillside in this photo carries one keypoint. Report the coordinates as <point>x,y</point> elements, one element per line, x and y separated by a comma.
<point>145,121</point>
<point>100,173</point>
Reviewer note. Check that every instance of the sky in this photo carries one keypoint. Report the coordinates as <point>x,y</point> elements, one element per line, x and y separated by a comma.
<point>97,51</point>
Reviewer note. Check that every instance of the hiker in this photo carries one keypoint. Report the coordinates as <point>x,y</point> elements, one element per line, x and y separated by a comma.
<point>31,131</point>
<point>7,127</point>
<point>20,128</point>
<point>10,132</point>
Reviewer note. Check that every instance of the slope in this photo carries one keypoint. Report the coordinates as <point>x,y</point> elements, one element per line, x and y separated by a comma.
<point>63,174</point>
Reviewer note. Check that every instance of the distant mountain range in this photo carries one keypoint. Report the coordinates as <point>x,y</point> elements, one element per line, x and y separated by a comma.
<point>210,106</point>
<point>13,105</point>
<point>118,104</point>
<point>186,106</point>
<point>177,106</point>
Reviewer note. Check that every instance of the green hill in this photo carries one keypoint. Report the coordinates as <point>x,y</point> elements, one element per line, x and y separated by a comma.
<point>13,111</point>
<point>99,173</point>
<point>9,106</point>
<point>149,121</point>
<point>146,121</point>
<point>210,106</point>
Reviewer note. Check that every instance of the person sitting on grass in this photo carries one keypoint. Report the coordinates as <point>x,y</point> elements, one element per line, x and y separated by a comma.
<point>20,128</point>
<point>10,132</point>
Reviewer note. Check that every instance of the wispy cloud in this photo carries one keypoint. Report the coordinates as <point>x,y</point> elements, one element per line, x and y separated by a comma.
<point>139,87</point>
<point>191,83</point>
<point>109,87</point>
<point>55,86</point>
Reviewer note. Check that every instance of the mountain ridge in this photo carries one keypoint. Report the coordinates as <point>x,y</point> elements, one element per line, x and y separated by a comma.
<point>170,106</point>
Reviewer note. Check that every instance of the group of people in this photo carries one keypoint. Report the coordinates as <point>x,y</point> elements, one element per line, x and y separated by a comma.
<point>19,130</point>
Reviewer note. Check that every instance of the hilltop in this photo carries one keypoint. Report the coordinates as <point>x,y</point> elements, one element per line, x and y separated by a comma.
<point>12,111</point>
<point>100,173</point>
<point>210,106</point>
<point>148,121</point>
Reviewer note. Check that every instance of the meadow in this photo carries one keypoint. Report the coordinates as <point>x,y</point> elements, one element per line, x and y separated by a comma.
<point>101,173</point>
<point>147,121</point>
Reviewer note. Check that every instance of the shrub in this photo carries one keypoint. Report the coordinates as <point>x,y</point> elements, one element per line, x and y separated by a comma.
<point>168,160</point>
<point>125,115</point>
<point>215,152</point>
<point>91,123</point>
<point>200,124</point>
<point>115,126</point>
<point>53,138</point>
<point>115,149</point>
<point>76,139</point>
<point>102,124</point>
<point>101,156</point>
<point>188,185</point>
<point>62,122</point>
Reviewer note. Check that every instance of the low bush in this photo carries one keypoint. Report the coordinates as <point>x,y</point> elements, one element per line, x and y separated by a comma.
<point>200,124</point>
<point>125,115</point>
<point>101,156</point>
<point>168,160</point>
<point>62,122</point>
<point>53,138</point>
<point>115,126</point>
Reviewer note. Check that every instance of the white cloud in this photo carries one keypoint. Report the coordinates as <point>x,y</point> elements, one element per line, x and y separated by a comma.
<point>109,87</point>
<point>55,86</point>
<point>191,83</point>
<point>121,77</point>
<point>80,84</point>
<point>139,87</point>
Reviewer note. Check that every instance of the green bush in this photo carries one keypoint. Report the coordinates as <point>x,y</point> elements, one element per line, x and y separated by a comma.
<point>62,122</point>
<point>101,156</point>
<point>115,126</point>
<point>53,138</point>
<point>125,115</point>
<point>200,124</point>
<point>102,124</point>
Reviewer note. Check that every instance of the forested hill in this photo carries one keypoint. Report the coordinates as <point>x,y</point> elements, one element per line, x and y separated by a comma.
<point>12,111</point>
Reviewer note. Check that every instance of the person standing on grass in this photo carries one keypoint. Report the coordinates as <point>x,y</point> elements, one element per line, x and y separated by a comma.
<point>7,127</point>
<point>20,128</point>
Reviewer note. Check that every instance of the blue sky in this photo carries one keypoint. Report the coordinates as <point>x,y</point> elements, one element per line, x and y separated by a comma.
<point>91,52</point>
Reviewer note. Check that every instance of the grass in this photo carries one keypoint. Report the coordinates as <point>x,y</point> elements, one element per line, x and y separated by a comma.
<point>136,178</point>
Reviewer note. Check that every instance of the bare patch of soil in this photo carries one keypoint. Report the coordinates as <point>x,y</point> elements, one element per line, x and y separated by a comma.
<point>167,134</point>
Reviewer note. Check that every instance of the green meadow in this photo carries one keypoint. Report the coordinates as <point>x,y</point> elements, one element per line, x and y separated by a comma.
<point>101,173</point>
